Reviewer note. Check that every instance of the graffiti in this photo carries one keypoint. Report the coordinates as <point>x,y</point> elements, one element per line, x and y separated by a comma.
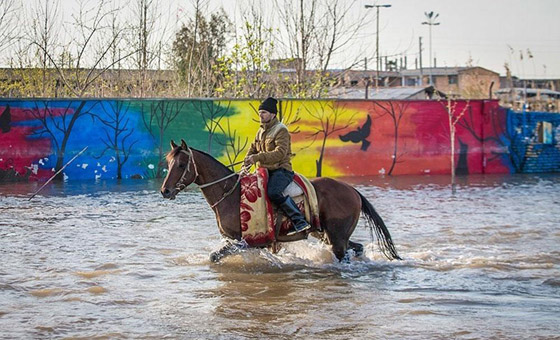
<point>129,138</point>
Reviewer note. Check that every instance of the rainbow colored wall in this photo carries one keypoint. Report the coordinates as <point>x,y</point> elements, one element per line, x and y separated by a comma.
<point>129,138</point>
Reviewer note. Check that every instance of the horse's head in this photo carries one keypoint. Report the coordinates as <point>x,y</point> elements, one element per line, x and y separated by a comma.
<point>181,170</point>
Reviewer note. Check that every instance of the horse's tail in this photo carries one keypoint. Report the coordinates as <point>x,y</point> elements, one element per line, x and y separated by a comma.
<point>375,223</point>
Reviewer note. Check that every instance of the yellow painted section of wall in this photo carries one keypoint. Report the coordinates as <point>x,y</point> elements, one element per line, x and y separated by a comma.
<point>313,116</point>
<point>306,142</point>
<point>244,123</point>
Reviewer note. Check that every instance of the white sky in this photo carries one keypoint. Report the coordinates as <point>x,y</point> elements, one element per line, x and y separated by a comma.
<point>477,29</point>
<point>480,29</point>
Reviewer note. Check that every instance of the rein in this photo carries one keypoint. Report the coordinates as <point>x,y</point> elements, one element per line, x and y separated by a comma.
<point>181,186</point>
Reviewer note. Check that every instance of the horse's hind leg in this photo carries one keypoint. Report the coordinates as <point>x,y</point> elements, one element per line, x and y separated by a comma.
<point>339,212</point>
<point>340,252</point>
<point>358,248</point>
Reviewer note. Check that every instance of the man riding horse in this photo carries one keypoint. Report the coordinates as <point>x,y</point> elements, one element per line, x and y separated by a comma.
<point>272,150</point>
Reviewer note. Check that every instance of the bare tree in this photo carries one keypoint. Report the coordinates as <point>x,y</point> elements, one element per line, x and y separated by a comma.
<point>336,30</point>
<point>46,21</point>
<point>198,49</point>
<point>149,35</point>
<point>454,114</point>
<point>252,53</point>
<point>89,49</point>
<point>315,30</point>
<point>299,22</point>
<point>8,29</point>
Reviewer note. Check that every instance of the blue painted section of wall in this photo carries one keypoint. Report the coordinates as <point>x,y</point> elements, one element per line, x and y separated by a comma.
<point>528,153</point>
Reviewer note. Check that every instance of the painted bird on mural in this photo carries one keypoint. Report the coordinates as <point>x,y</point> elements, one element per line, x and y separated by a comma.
<point>359,135</point>
<point>5,120</point>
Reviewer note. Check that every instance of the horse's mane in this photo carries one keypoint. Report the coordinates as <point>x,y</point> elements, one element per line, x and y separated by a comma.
<point>171,154</point>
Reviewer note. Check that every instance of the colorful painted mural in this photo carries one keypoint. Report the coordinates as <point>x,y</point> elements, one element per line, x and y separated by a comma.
<point>129,138</point>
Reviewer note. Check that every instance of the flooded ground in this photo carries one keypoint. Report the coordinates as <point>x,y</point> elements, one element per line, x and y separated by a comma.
<point>110,260</point>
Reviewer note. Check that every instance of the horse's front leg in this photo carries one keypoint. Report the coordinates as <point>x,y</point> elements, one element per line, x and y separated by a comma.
<point>231,247</point>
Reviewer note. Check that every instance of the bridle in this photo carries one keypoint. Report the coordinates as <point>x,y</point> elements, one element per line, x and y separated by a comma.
<point>180,186</point>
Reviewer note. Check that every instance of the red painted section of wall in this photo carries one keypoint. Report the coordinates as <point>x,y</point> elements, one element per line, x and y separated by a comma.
<point>421,133</point>
<point>494,126</point>
<point>19,149</point>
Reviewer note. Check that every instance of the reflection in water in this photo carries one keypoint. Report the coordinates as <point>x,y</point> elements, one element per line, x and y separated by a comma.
<point>114,260</point>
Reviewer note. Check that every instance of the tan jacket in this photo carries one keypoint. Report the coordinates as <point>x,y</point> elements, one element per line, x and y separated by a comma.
<point>272,146</point>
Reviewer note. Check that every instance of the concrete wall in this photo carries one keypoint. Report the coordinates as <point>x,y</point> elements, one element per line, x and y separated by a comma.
<point>129,138</point>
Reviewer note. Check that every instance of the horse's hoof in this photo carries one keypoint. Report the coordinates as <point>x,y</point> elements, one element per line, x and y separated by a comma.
<point>215,257</point>
<point>345,259</point>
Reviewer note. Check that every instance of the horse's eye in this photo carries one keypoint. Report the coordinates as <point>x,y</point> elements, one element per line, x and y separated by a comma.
<point>181,166</point>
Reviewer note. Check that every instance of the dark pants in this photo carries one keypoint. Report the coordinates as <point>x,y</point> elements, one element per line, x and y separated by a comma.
<point>278,180</point>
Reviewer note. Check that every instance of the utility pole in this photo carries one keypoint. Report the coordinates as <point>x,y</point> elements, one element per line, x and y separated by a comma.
<point>431,17</point>
<point>377,61</point>
<point>420,59</point>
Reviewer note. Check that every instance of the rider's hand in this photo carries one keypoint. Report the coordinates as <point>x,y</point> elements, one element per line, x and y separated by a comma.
<point>250,160</point>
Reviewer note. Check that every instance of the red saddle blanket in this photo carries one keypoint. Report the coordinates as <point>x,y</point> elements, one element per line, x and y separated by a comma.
<point>258,216</point>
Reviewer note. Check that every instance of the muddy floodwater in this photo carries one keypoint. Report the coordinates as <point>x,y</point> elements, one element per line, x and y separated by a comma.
<point>115,260</point>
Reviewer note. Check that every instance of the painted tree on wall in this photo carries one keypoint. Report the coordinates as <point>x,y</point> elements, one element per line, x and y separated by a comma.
<point>395,110</point>
<point>117,132</point>
<point>160,115</point>
<point>233,144</point>
<point>58,122</point>
<point>212,115</point>
<point>332,117</point>
<point>290,116</point>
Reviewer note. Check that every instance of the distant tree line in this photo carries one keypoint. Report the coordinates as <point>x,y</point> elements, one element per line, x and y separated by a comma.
<point>138,48</point>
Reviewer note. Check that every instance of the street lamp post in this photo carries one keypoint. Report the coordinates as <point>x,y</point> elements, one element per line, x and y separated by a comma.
<point>431,21</point>
<point>377,43</point>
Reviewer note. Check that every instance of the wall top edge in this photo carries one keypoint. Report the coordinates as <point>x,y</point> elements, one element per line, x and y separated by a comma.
<point>5,99</point>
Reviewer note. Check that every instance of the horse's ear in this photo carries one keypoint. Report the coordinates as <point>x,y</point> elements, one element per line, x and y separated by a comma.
<point>183,144</point>
<point>173,145</point>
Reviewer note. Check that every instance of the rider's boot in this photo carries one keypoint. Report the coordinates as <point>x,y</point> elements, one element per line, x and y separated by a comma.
<point>291,210</point>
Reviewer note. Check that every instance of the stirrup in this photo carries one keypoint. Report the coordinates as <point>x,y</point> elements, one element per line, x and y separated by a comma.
<point>298,230</point>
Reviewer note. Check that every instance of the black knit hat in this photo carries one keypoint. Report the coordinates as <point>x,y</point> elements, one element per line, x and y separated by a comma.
<point>269,104</point>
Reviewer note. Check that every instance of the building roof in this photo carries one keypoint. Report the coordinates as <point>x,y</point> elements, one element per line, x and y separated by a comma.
<point>530,92</point>
<point>442,71</point>
<point>395,92</point>
<point>385,93</point>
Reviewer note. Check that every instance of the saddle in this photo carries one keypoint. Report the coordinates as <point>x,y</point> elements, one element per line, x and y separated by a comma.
<point>261,223</point>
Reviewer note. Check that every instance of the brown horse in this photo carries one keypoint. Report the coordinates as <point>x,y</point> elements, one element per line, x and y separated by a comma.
<point>339,204</point>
